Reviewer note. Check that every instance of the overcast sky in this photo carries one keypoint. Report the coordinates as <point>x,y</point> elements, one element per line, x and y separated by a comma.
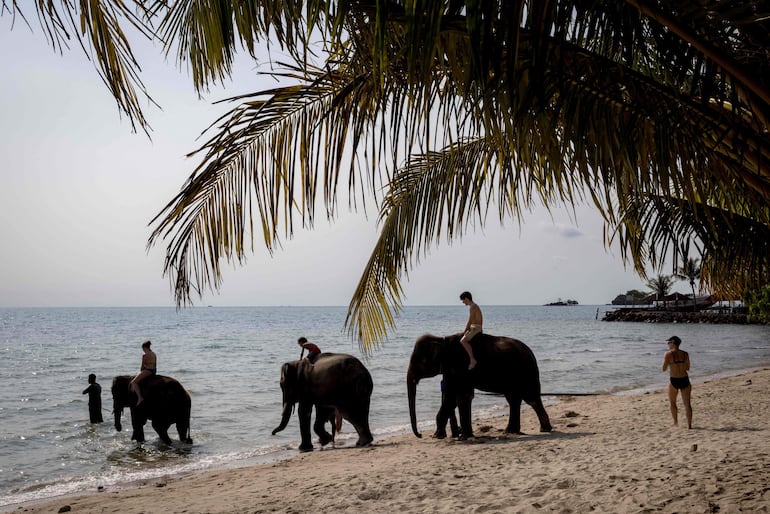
<point>78,190</point>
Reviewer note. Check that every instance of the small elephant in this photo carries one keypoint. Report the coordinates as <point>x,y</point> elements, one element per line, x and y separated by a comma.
<point>334,381</point>
<point>166,402</point>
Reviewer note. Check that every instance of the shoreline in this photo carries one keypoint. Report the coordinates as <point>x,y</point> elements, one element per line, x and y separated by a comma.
<point>426,427</point>
<point>607,452</point>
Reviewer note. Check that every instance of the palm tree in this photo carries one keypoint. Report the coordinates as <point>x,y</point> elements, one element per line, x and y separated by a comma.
<point>657,113</point>
<point>660,285</point>
<point>690,271</point>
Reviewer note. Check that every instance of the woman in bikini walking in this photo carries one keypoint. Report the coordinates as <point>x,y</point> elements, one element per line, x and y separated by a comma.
<point>678,363</point>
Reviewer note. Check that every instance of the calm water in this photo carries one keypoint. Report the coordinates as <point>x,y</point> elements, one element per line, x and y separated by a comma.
<point>229,359</point>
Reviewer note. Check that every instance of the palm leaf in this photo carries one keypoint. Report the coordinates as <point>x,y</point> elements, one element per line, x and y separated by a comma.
<point>99,27</point>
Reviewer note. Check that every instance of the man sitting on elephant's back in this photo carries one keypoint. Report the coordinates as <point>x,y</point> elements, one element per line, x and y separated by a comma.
<point>472,328</point>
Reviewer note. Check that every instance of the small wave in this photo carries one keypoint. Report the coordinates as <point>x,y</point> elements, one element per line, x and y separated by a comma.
<point>118,477</point>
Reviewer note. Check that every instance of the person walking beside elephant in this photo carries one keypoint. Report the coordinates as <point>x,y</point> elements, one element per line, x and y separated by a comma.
<point>472,328</point>
<point>678,363</point>
<point>148,368</point>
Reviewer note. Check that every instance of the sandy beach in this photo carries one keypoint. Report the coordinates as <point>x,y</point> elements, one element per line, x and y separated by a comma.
<point>606,454</point>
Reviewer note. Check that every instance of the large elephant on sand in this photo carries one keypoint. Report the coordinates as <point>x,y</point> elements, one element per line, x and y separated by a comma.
<point>333,381</point>
<point>166,402</point>
<point>505,365</point>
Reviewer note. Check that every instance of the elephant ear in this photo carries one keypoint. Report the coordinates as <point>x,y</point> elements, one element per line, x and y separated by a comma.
<point>284,370</point>
<point>450,354</point>
<point>120,389</point>
<point>289,374</point>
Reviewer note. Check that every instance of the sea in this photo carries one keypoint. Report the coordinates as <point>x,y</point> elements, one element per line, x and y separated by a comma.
<point>229,359</point>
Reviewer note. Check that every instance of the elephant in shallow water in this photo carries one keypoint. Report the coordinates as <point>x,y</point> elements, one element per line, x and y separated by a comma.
<point>333,381</point>
<point>166,402</point>
<point>505,365</point>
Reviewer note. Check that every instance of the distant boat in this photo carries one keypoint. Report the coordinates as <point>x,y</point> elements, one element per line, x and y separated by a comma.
<point>560,303</point>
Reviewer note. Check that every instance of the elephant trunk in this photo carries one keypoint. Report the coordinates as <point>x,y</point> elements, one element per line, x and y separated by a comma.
<point>411,389</point>
<point>285,415</point>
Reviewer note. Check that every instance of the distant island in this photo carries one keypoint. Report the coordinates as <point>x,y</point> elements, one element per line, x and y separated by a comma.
<point>560,303</point>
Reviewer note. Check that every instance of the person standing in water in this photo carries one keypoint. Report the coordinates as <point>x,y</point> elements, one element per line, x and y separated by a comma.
<point>677,362</point>
<point>94,392</point>
<point>148,368</point>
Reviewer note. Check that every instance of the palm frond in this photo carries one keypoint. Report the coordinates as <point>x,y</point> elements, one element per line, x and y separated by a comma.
<point>206,34</point>
<point>734,249</point>
<point>430,194</point>
<point>435,196</point>
<point>265,154</point>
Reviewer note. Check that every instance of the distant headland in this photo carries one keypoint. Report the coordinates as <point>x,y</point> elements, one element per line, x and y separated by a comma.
<point>675,308</point>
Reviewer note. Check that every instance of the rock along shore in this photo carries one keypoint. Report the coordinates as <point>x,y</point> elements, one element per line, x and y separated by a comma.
<point>669,316</point>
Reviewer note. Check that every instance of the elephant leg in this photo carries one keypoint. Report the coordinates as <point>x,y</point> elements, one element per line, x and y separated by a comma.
<point>183,429</point>
<point>365,436</point>
<point>182,420</point>
<point>466,424</point>
<point>514,414</point>
<point>446,413</point>
<point>304,411</point>
<point>441,421</point>
<point>542,415</point>
<point>161,427</point>
<point>453,426</point>
<point>322,415</point>
<point>359,418</point>
<point>137,423</point>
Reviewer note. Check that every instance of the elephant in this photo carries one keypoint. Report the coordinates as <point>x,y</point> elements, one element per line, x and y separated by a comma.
<point>334,381</point>
<point>505,365</point>
<point>166,402</point>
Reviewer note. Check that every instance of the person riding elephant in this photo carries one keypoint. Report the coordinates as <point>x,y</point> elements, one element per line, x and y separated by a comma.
<point>504,365</point>
<point>333,381</point>
<point>166,402</point>
<point>148,368</point>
